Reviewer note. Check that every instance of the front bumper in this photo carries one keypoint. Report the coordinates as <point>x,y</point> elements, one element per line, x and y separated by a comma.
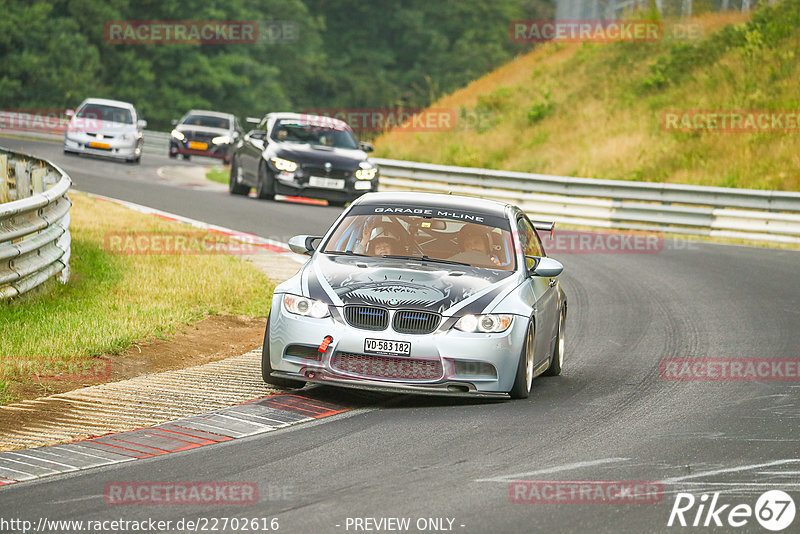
<point>297,184</point>
<point>213,151</point>
<point>78,143</point>
<point>463,364</point>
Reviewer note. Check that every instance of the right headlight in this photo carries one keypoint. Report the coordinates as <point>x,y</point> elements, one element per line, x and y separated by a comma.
<point>284,164</point>
<point>305,306</point>
<point>178,135</point>
<point>366,174</point>
<point>489,323</point>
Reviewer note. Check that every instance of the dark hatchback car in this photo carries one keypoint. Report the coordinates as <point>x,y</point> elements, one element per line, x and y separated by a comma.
<point>303,155</point>
<point>205,133</point>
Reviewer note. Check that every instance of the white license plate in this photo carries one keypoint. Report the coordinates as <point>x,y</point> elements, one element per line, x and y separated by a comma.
<point>327,183</point>
<point>386,346</point>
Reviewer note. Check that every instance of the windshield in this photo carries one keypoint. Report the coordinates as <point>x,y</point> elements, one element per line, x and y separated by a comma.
<point>207,121</point>
<point>309,132</point>
<point>105,113</point>
<point>429,238</point>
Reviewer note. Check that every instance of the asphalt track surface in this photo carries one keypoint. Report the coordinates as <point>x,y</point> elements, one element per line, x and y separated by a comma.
<point>609,417</point>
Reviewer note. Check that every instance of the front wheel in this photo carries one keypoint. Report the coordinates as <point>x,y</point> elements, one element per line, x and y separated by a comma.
<point>524,379</point>
<point>558,351</point>
<point>266,367</point>
<point>235,185</point>
<point>265,187</point>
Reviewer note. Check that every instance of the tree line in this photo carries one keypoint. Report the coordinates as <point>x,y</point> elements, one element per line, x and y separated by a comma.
<point>310,53</point>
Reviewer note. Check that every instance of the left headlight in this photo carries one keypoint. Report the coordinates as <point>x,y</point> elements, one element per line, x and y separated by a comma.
<point>305,306</point>
<point>222,140</point>
<point>178,135</point>
<point>489,323</point>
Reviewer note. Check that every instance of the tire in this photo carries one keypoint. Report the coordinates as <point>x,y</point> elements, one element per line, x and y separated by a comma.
<point>264,190</point>
<point>266,367</point>
<point>524,379</point>
<point>173,155</point>
<point>187,157</point>
<point>557,359</point>
<point>234,187</point>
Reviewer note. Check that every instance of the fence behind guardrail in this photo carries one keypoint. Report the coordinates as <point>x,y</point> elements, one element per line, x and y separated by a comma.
<point>34,223</point>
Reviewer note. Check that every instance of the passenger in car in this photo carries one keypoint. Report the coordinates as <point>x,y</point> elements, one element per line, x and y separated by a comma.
<point>472,239</point>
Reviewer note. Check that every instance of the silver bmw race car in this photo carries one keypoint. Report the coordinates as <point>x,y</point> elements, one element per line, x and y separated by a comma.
<point>420,293</point>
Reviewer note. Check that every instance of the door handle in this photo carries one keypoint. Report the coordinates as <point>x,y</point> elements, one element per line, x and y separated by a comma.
<point>552,282</point>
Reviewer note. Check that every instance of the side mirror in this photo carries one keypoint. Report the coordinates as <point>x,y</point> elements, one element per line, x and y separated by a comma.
<point>257,134</point>
<point>175,122</point>
<point>546,267</point>
<point>70,113</point>
<point>141,124</point>
<point>252,120</point>
<point>366,147</point>
<point>303,244</point>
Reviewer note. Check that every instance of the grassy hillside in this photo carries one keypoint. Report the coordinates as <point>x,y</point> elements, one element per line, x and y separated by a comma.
<point>593,110</point>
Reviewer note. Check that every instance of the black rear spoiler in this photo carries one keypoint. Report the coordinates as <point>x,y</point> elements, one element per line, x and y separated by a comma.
<point>544,226</point>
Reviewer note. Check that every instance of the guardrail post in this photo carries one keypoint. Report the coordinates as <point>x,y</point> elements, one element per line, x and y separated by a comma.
<point>4,197</point>
<point>37,180</point>
<point>22,179</point>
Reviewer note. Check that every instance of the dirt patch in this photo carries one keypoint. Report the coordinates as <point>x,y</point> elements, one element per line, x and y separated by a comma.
<point>212,339</point>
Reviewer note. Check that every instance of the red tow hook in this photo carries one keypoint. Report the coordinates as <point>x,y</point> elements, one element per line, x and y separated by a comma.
<point>327,340</point>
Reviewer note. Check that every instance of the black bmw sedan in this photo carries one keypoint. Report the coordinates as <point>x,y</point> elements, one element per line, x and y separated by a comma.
<point>205,133</point>
<point>302,155</point>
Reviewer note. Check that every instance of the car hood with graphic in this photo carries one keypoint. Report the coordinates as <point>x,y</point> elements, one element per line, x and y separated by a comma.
<point>407,284</point>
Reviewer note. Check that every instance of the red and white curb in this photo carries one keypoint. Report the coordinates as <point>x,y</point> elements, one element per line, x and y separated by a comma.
<point>248,419</point>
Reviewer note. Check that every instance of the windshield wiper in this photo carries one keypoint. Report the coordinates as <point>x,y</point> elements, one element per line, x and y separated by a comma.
<point>347,253</point>
<point>426,258</point>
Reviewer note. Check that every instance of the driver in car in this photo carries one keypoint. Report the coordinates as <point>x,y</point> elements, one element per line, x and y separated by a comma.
<point>383,246</point>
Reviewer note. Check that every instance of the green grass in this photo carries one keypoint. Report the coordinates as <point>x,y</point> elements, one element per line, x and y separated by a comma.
<point>114,300</point>
<point>218,174</point>
<point>594,110</point>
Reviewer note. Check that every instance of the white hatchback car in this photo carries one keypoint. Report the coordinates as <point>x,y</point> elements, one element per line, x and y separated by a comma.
<point>108,128</point>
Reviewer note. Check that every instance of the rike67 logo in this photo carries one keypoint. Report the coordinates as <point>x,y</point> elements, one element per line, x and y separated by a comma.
<point>774,510</point>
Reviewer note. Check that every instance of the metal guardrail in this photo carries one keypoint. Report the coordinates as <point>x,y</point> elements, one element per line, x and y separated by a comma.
<point>34,223</point>
<point>686,209</point>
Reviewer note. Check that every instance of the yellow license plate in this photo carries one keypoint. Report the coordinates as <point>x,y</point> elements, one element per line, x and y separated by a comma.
<point>95,144</point>
<point>194,145</point>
